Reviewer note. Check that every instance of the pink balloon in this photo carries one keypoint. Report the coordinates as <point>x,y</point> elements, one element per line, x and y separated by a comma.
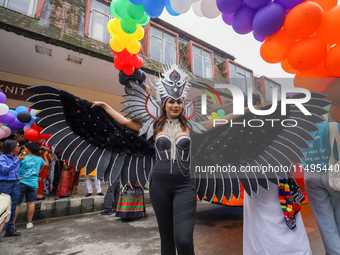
<point>2,133</point>
<point>7,130</point>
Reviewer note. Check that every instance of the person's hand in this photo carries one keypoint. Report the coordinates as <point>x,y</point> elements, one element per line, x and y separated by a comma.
<point>19,178</point>
<point>21,157</point>
<point>99,104</point>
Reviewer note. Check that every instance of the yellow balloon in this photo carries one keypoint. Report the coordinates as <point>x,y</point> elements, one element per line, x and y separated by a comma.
<point>214,116</point>
<point>115,45</point>
<point>116,27</point>
<point>139,34</point>
<point>134,48</point>
<point>125,40</point>
<point>109,27</point>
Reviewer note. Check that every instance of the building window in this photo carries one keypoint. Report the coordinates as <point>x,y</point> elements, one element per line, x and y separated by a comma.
<point>240,77</point>
<point>269,90</point>
<point>202,63</point>
<point>27,7</point>
<point>100,16</point>
<point>162,47</point>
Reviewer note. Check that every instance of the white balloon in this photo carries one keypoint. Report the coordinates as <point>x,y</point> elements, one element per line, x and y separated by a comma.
<point>209,9</point>
<point>3,109</point>
<point>180,6</point>
<point>193,1</point>
<point>196,7</point>
<point>33,112</point>
<point>27,127</point>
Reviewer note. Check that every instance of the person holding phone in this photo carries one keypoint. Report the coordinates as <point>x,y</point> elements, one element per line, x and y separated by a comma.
<point>9,179</point>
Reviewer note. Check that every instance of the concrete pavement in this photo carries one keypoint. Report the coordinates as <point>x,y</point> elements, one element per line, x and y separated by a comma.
<point>218,230</point>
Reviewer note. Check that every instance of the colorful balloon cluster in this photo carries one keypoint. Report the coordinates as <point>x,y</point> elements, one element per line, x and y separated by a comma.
<point>126,30</point>
<point>13,119</point>
<point>308,44</point>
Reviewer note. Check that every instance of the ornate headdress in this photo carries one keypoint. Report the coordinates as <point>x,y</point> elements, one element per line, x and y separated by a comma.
<point>174,84</point>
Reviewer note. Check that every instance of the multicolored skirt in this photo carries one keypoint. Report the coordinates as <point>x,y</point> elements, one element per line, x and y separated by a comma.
<point>130,203</point>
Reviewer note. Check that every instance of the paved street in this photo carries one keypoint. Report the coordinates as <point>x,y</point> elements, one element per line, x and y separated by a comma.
<point>218,230</point>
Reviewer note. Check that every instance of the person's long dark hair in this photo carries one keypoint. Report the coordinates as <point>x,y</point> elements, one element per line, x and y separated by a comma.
<point>9,146</point>
<point>160,121</point>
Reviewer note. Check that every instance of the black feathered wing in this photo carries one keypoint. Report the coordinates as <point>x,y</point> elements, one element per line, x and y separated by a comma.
<point>91,138</point>
<point>246,148</point>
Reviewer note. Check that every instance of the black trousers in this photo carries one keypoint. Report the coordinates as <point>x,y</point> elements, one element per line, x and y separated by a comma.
<point>173,198</point>
<point>112,195</point>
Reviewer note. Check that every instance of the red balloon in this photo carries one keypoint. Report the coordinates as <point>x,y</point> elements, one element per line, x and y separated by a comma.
<point>35,140</point>
<point>31,134</point>
<point>140,48</point>
<point>134,60</point>
<point>119,64</point>
<point>36,127</point>
<point>140,63</point>
<point>45,137</point>
<point>125,55</point>
<point>129,70</point>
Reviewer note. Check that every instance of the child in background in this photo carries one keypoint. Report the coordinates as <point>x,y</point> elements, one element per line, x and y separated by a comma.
<point>29,173</point>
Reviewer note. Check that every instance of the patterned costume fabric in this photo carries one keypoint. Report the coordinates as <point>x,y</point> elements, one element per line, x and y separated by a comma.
<point>130,203</point>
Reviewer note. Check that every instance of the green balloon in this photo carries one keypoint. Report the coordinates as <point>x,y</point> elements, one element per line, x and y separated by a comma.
<point>120,8</point>
<point>135,11</point>
<point>129,25</point>
<point>220,113</point>
<point>112,8</point>
<point>143,21</point>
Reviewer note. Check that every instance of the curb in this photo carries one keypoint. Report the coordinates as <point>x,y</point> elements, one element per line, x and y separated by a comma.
<point>46,209</point>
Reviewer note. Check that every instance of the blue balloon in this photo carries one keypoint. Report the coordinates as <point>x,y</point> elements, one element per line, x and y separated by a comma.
<point>154,8</point>
<point>137,2</point>
<point>21,109</point>
<point>31,122</point>
<point>13,112</point>
<point>169,8</point>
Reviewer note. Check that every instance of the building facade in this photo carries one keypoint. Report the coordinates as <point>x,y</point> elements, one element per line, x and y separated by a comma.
<point>64,43</point>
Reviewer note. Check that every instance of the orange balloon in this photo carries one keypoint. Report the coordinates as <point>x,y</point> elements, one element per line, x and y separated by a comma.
<point>316,79</point>
<point>334,112</point>
<point>326,5</point>
<point>307,53</point>
<point>287,68</point>
<point>329,29</point>
<point>303,20</point>
<point>333,92</point>
<point>332,61</point>
<point>272,52</point>
<point>284,40</point>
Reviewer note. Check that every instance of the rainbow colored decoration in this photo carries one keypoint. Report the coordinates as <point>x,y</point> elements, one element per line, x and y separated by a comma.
<point>303,36</point>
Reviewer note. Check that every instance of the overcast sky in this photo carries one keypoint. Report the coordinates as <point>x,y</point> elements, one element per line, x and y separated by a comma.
<point>214,31</point>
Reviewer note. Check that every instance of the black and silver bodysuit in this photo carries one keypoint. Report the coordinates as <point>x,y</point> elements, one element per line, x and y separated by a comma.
<point>173,195</point>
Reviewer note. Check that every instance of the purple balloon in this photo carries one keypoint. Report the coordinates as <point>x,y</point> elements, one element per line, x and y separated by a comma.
<point>227,18</point>
<point>269,20</point>
<point>256,4</point>
<point>18,124</point>
<point>2,97</point>
<point>228,6</point>
<point>289,4</point>
<point>7,118</point>
<point>243,20</point>
<point>258,38</point>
